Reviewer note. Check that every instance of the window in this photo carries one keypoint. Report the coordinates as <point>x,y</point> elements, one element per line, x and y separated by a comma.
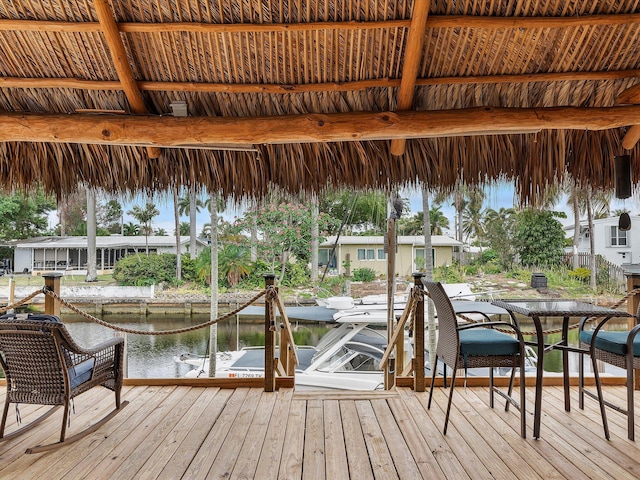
<point>381,254</point>
<point>366,254</point>
<point>418,260</point>
<point>618,237</point>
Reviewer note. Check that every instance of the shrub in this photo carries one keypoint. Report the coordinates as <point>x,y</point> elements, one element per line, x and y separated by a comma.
<point>144,270</point>
<point>582,274</point>
<point>364,275</point>
<point>448,274</point>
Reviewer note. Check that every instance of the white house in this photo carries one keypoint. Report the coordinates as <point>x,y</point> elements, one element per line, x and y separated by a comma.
<point>69,254</point>
<point>369,252</point>
<point>617,246</point>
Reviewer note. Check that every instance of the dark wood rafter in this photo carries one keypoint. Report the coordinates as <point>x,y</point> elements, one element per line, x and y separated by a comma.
<point>411,64</point>
<point>121,63</point>
<point>170,131</point>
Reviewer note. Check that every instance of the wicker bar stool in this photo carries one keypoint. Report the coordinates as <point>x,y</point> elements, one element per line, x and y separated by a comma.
<point>476,345</point>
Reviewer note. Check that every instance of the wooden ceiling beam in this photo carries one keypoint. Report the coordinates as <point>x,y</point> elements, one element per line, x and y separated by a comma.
<point>14,82</point>
<point>121,62</point>
<point>190,132</point>
<point>434,21</point>
<point>410,64</point>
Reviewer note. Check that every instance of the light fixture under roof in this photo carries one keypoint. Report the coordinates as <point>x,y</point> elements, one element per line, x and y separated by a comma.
<point>179,108</point>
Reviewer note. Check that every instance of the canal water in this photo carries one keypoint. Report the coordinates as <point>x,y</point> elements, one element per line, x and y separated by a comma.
<point>152,356</point>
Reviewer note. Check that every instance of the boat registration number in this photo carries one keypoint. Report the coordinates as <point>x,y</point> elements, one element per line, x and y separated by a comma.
<point>246,375</point>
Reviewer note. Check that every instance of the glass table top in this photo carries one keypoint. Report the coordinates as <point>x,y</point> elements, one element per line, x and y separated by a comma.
<point>560,307</point>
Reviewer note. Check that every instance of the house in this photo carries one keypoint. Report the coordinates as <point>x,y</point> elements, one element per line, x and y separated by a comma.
<point>369,252</point>
<point>69,254</point>
<point>615,245</point>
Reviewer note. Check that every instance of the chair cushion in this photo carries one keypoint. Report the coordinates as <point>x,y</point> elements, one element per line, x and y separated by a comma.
<point>78,374</point>
<point>613,342</point>
<point>485,341</point>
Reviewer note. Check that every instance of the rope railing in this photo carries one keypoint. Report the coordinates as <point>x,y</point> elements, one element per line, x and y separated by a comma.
<point>70,306</point>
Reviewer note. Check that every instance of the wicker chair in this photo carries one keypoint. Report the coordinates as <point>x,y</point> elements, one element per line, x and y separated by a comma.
<point>618,348</point>
<point>476,345</point>
<point>44,366</point>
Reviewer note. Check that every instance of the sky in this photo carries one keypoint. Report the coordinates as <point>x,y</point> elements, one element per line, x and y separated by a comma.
<point>498,196</point>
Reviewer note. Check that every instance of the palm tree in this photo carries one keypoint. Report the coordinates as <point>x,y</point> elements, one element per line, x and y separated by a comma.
<point>145,216</point>
<point>190,206</point>
<point>234,263</point>
<point>472,223</point>
<point>437,220</point>
<point>176,220</point>
<point>130,229</point>
<point>161,232</point>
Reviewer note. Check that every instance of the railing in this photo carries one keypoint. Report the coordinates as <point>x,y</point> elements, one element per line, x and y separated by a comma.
<point>280,357</point>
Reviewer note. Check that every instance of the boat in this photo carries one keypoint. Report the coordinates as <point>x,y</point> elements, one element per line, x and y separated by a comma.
<point>346,358</point>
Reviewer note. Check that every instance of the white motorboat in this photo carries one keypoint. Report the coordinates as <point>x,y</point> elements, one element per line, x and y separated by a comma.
<point>346,358</point>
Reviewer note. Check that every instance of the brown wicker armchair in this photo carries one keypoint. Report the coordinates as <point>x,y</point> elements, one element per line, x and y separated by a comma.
<point>44,366</point>
<point>476,345</point>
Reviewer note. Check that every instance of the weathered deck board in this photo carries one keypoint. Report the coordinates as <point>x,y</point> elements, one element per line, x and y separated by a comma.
<point>187,432</point>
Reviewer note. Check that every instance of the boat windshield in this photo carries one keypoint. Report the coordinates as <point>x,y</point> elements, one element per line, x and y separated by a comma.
<point>351,360</point>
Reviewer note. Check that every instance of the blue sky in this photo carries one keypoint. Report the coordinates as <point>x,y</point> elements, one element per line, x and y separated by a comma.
<point>497,196</point>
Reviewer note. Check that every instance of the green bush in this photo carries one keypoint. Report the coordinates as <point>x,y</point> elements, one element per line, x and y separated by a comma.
<point>364,275</point>
<point>582,274</point>
<point>144,270</point>
<point>296,274</point>
<point>449,274</point>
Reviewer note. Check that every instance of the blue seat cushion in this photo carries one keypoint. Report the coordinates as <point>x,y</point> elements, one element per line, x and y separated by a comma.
<point>82,372</point>
<point>485,341</point>
<point>613,342</point>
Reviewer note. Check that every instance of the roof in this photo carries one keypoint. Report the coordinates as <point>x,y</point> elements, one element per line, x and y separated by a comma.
<point>416,240</point>
<point>605,221</point>
<point>111,241</point>
<point>364,94</point>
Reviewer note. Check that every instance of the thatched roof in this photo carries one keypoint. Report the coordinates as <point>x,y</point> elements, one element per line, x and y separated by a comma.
<point>283,77</point>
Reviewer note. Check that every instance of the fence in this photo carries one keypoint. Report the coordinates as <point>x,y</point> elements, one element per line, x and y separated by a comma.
<point>615,272</point>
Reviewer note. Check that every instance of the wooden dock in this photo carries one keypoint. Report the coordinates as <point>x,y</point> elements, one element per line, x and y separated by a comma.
<point>172,432</point>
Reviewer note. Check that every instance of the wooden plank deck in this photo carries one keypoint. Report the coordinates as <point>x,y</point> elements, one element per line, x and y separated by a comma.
<point>172,432</point>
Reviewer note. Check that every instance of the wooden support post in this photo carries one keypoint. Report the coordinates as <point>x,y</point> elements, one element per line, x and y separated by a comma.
<point>389,372</point>
<point>52,281</point>
<point>418,335</point>
<point>633,282</point>
<point>269,338</point>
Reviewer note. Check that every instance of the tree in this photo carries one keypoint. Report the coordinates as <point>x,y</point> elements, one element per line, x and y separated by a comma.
<point>130,229</point>
<point>234,263</point>
<point>160,232</point>
<point>539,237</point>
<point>190,206</point>
<point>25,216</point>
<point>499,233</point>
<point>145,217</point>
<point>110,217</point>
<point>472,215</point>
<point>176,232</point>
<point>285,231</point>
<point>72,211</point>
<point>360,212</point>
<point>92,272</point>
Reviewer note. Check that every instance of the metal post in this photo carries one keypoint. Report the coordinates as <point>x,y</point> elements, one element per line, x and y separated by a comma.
<point>418,335</point>
<point>269,338</point>
<point>52,281</point>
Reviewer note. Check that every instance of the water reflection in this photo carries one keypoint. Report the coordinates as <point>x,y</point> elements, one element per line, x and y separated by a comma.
<point>151,356</point>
